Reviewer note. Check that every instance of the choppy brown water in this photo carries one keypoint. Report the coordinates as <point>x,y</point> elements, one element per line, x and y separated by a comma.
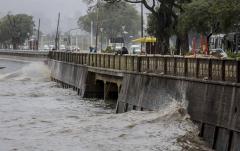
<point>37,115</point>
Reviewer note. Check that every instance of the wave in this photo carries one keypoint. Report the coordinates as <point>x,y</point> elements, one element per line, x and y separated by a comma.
<point>34,71</point>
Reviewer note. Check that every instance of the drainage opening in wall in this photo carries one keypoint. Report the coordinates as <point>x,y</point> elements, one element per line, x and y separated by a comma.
<point>99,89</point>
<point>111,93</point>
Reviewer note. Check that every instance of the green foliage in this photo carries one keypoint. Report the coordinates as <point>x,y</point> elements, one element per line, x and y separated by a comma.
<point>233,55</point>
<point>15,29</point>
<point>204,16</point>
<point>112,18</point>
<point>108,50</point>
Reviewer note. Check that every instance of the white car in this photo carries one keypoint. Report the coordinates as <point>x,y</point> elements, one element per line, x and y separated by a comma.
<point>46,47</point>
<point>62,47</point>
<point>135,49</point>
<point>218,53</point>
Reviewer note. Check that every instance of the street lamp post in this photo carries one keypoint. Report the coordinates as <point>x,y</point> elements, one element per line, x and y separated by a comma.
<point>28,34</point>
<point>97,22</point>
<point>141,24</point>
<point>123,34</point>
<point>101,29</point>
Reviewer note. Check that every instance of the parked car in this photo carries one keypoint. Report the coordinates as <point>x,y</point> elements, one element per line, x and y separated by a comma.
<point>52,47</point>
<point>46,47</point>
<point>62,47</point>
<point>135,49</point>
<point>220,53</point>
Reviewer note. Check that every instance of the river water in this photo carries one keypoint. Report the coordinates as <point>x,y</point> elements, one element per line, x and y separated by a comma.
<point>38,115</point>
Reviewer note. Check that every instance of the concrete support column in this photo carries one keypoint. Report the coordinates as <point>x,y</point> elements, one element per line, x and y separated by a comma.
<point>106,89</point>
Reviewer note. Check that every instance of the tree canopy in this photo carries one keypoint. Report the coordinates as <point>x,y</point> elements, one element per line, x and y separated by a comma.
<point>163,19</point>
<point>205,16</point>
<point>113,19</point>
<point>15,29</point>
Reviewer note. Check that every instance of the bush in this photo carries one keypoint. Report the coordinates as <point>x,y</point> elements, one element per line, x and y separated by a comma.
<point>108,50</point>
<point>233,55</point>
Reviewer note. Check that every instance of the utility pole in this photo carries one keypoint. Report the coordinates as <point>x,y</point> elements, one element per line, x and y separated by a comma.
<point>76,40</point>
<point>97,26</point>
<point>57,34</point>
<point>91,33</point>
<point>39,23</point>
<point>141,24</point>
<point>101,29</point>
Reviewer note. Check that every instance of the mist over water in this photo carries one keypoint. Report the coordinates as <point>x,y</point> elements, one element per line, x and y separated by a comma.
<point>37,114</point>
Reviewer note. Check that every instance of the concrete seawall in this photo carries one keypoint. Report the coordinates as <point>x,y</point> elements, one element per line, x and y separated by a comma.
<point>22,53</point>
<point>213,105</point>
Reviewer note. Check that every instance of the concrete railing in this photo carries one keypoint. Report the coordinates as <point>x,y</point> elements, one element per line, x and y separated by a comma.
<point>200,68</point>
<point>24,53</point>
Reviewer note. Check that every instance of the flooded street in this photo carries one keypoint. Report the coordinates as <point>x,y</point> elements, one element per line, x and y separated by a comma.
<point>38,115</point>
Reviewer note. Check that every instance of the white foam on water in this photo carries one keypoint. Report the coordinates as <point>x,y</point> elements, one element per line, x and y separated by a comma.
<point>34,71</point>
<point>37,115</point>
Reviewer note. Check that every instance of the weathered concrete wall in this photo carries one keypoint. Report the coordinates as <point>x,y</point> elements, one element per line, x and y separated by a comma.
<point>87,83</point>
<point>214,105</point>
<point>73,75</point>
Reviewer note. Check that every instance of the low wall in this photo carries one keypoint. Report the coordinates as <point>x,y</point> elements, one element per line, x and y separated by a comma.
<point>70,74</point>
<point>22,53</point>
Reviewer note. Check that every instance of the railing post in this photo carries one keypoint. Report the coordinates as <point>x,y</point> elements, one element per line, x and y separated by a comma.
<point>66,57</point>
<point>223,62</point>
<point>185,67</point>
<point>104,61</point>
<point>238,71</point>
<point>60,56</point>
<point>57,56</point>
<point>139,61</point>
<point>148,65</point>
<point>197,67</point>
<point>132,61</point>
<point>74,58</point>
<point>69,56</point>
<point>109,62</point>
<point>210,69</point>
<point>49,54</point>
<point>119,61</point>
<point>126,62</point>
<point>113,61</point>
<point>81,58</point>
<point>100,60</point>
<point>155,63</point>
<point>165,65</point>
<point>89,59</point>
<point>96,60</point>
<point>174,66</point>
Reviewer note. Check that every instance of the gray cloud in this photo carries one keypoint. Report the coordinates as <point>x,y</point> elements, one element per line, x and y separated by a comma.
<point>47,10</point>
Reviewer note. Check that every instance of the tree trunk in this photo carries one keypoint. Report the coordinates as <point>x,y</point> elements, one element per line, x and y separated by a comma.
<point>182,43</point>
<point>162,45</point>
<point>178,45</point>
<point>208,43</point>
<point>14,43</point>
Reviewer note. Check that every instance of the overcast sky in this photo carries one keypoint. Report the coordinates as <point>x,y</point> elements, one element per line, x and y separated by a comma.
<point>47,10</point>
